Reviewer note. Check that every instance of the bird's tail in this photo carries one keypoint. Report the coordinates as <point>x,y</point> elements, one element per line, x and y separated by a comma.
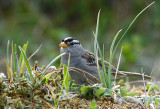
<point>134,74</point>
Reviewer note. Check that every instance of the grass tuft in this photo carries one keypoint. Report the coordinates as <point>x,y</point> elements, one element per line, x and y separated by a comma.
<point>26,62</point>
<point>106,78</point>
<point>53,61</point>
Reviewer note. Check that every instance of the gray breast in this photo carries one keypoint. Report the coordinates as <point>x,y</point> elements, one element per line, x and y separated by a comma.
<point>81,77</point>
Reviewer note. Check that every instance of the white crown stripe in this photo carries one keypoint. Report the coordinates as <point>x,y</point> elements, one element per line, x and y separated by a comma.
<point>67,38</point>
<point>75,41</point>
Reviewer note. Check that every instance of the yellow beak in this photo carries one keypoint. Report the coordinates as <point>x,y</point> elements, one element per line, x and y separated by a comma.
<point>63,45</point>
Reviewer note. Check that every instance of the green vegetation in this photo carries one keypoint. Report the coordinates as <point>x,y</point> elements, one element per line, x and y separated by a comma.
<point>30,86</point>
<point>47,22</point>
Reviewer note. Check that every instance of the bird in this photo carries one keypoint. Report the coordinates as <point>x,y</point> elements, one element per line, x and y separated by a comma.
<point>82,63</point>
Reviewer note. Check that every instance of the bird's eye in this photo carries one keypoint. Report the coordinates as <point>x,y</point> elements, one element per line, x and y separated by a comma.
<point>71,43</point>
<point>63,40</point>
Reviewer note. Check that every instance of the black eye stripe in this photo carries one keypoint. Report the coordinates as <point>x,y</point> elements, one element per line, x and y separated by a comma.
<point>72,43</point>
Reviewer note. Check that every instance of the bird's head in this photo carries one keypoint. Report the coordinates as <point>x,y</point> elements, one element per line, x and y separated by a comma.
<point>71,45</point>
<point>69,42</point>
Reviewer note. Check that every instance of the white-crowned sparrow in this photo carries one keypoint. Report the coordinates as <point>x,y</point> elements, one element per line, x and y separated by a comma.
<point>83,67</point>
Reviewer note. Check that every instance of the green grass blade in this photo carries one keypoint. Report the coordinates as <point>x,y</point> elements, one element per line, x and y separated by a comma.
<point>112,49</point>
<point>102,62</point>
<point>103,66</point>
<point>104,74</point>
<point>65,70</point>
<point>54,60</point>
<point>96,59</point>
<point>11,61</point>
<point>96,35</point>
<point>21,55</point>
<point>8,71</point>
<point>46,78</point>
<point>96,48</point>
<point>7,61</point>
<point>14,56</point>
<point>8,51</point>
<point>131,25</point>
<point>110,59</point>
<point>66,74</point>
<point>17,65</point>
<point>27,63</point>
<point>22,65</point>
<point>93,105</point>
<point>66,78</point>
<point>22,60</point>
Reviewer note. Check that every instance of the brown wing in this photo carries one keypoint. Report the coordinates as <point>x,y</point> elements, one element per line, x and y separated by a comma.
<point>89,56</point>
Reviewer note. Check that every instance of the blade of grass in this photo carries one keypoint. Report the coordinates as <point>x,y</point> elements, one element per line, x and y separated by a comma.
<point>110,60</point>
<point>96,50</point>
<point>98,68</point>
<point>93,105</point>
<point>7,61</point>
<point>17,65</point>
<point>22,66</point>
<point>54,97</point>
<point>11,70</point>
<point>46,77</point>
<point>21,56</point>
<point>66,75</point>
<point>11,59</point>
<point>54,60</point>
<point>21,60</point>
<point>152,82</point>
<point>14,56</point>
<point>35,52</point>
<point>118,67</point>
<point>131,25</point>
<point>66,78</point>
<point>65,81</point>
<point>104,74</point>
<point>103,65</point>
<point>96,35</point>
<point>63,84</point>
<point>8,70</point>
<point>27,63</point>
<point>145,103</point>
<point>112,51</point>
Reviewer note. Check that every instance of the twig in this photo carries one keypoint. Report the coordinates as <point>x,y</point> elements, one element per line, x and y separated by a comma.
<point>118,67</point>
<point>144,89</point>
<point>86,73</point>
<point>89,81</point>
<point>34,52</point>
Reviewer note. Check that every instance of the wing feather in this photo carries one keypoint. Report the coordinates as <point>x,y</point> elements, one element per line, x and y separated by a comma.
<point>89,56</point>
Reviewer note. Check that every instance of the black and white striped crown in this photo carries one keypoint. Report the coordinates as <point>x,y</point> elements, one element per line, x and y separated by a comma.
<point>70,41</point>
